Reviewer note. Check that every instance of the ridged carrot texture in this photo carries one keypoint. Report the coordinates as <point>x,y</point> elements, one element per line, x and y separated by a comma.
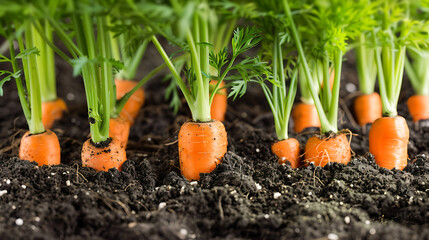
<point>201,147</point>
<point>119,128</point>
<point>305,116</point>
<point>328,149</point>
<point>43,148</point>
<point>102,158</point>
<point>52,111</point>
<point>135,102</point>
<point>367,108</point>
<point>388,139</point>
<point>219,103</point>
<point>287,150</point>
<point>418,106</point>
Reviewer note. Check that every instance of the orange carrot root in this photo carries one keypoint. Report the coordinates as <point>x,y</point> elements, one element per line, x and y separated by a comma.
<point>328,149</point>
<point>52,111</point>
<point>388,140</point>
<point>367,108</point>
<point>119,128</point>
<point>287,150</point>
<point>103,158</point>
<point>43,148</point>
<point>219,103</point>
<point>305,116</point>
<point>201,147</point>
<point>418,105</point>
<point>134,103</point>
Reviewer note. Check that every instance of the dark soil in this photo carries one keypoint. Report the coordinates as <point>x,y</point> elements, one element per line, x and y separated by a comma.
<point>248,196</point>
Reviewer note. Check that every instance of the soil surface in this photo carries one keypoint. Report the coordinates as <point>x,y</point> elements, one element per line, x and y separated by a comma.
<point>248,196</point>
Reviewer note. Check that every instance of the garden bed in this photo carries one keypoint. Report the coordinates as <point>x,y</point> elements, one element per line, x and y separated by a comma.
<point>248,196</point>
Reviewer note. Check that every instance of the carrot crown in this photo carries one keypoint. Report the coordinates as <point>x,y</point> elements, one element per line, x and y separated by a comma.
<point>396,33</point>
<point>17,27</point>
<point>325,27</point>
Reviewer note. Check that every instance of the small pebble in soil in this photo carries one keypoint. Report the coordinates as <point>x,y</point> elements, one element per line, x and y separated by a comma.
<point>7,181</point>
<point>266,216</point>
<point>277,195</point>
<point>162,205</point>
<point>19,221</point>
<point>233,192</point>
<point>332,236</point>
<point>258,186</point>
<point>193,183</point>
<point>3,192</point>
<point>183,233</point>
<point>367,222</point>
<point>257,150</point>
<point>350,87</point>
<point>70,96</point>
<point>23,186</point>
<point>372,231</point>
<point>310,193</point>
<point>37,219</point>
<point>75,196</point>
<point>68,182</point>
<point>13,207</point>
<point>347,219</point>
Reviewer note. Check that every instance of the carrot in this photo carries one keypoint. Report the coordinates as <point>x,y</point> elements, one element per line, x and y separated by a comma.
<point>331,79</point>
<point>119,128</point>
<point>43,148</point>
<point>305,116</point>
<point>388,139</point>
<point>52,111</point>
<point>287,150</point>
<point>367,108</point>
<point>328,149</point>
<point>104,156</point>
<point>133,105</point>
<point>201,147</point>
<point>219,103</point>
<point>418,105</point>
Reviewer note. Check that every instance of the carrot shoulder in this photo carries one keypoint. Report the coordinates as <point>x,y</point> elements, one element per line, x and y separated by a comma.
<point>52,111</point>
<point>367,108</point>
<point>43,148</point>
<point>119,128</point>
<point>418,106</point>
<point>287,150</point>
<point>134,103</point>
<point>219,103</point>
<point>328,149</point>
<point>201,147</point>
<point>388,139</point>
<point>305,116</point>
<point>102,158</point>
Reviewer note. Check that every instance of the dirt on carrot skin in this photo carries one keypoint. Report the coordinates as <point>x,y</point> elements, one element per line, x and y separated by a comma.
<point>248,196</point>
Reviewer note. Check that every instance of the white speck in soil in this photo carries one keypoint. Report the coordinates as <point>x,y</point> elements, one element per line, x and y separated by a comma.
<point>149,139</point>
<point>258,186</point>
<point>372,231</point>
<point>53,174</point>
<point>7,181</point>
<point>330,196</point>
<point>319,216</point>
<point>132,224</point>
<point>68,182</point>
<point>266,216</point>
<point>332,236</point>
<point>341,203</point>
<point>13,207</point>
<point>37,219</point>
<point>289,176</point>
<point>70,96</point>
<point>233,192</point>
<point>34,228</point>
<point>87,193</point>
<point>193,183</point>
<point>310,193</point>
<point>347,219</point>
<point>277,195</point>
<point>192,236</point>
<point>182,190</point>
<point>257,150</point>
<point>162,205</point>
<point>19,221</point>
<point>183,233</point>
<point>3,192</point>
<point>168,187</point>
<point>367,222</point>
<point>75,196</point>
<point>350,87</point>
<point>351,185</point>
<point>23,186</point>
